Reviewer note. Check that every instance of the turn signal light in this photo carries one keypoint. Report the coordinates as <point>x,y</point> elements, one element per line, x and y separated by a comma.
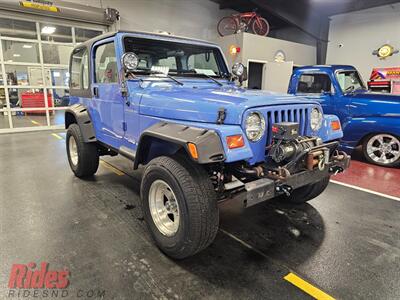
<point>335,125</point>
<point>235,141</point>
<point>193,150</point>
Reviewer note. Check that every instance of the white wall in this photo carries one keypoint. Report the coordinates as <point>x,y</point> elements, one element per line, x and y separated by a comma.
<point>362,32</point>
<point>191,18</point>
<point>256,47</point>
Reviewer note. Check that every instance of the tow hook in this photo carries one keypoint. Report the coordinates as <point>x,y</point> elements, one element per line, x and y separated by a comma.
<point>286,189</point>
<point>335,170</point>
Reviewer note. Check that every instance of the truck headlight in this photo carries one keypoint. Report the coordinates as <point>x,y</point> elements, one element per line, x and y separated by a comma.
<point>255,126</point>
<point>316,119</point>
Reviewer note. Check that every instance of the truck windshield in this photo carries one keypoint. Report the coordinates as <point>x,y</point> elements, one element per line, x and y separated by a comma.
<point>350,81</point>
<point>179,59</point>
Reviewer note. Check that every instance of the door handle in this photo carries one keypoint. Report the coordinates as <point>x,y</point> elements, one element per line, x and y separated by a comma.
<point>96,91</point>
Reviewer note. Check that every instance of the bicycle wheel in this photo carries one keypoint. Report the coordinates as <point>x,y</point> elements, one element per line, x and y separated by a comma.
<point>227,26</point>
<point>260,26</point>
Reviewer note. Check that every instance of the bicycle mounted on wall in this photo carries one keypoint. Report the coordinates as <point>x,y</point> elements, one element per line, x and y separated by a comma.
<point>236,23</point>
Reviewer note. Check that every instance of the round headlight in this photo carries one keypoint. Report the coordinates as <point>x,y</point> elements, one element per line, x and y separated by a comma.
<point>255,126</point>
<point>130,61</point>
<point>316,119</point>
<point>238,69</point>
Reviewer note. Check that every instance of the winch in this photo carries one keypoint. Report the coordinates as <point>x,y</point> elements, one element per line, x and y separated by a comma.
<point>287,146</point>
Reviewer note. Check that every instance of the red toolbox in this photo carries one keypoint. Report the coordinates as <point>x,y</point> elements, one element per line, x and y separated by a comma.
<point>35,100</point>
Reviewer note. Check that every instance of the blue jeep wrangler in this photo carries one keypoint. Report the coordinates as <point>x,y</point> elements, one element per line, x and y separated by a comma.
<point>172,105</point>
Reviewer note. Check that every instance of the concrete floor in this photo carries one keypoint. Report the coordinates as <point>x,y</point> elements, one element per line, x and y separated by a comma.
<point>32,120</point>
<point>346,242</point>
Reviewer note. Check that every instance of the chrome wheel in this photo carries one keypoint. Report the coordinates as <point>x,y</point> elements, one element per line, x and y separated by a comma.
<point>383,149</point>
<point>164,208</point>
<point>73,150</point>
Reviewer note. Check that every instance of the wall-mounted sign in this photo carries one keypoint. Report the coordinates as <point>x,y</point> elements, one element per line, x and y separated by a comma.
<point>385,51</point>
<point>280,56</point>
<point>40,5</point>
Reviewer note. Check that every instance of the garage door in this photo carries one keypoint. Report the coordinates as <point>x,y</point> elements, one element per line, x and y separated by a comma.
<point>34,75</point>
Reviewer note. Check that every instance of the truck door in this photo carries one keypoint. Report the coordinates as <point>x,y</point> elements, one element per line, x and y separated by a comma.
<point>108,101</point>
<point>317,86</point>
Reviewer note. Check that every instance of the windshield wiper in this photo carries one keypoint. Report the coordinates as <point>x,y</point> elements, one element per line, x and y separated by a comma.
<point>207,76</point>
<point>149,72</point>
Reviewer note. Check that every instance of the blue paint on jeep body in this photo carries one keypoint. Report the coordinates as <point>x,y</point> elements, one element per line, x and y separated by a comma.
<point>120,122</point>
<point>361,112</point>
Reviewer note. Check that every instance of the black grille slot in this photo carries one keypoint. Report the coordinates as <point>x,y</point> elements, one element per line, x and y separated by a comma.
<point>299,115</point>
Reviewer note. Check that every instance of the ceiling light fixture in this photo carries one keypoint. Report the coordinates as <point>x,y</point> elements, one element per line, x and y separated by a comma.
<point>16,55</point>
<point>48,30</point>
<point>27,46</point>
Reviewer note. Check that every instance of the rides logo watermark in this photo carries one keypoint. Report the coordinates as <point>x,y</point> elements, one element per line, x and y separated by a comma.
<point>33,281</point>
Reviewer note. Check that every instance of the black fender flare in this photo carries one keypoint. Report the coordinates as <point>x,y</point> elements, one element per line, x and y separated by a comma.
<point>207,141</point>
<point>78,114</point>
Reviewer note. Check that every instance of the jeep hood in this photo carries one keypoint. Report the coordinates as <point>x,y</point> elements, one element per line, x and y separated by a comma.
<point>201,104</point>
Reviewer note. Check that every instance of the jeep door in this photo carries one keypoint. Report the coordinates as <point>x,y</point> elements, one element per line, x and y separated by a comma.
<point>107,97</point>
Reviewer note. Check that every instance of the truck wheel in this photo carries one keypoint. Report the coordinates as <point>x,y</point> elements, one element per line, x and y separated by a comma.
<point>308,192</point>
<point>83,157</point>
<point>382,149</point>
<point>179,205</point>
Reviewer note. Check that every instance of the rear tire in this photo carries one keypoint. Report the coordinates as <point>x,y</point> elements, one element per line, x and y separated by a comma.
<point>179,183</point>
<point>308,192</point>
<point>227,26</point>
<point>83,157</point>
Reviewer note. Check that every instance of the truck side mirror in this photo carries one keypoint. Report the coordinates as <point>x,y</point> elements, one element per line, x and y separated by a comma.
<point>240,72</point>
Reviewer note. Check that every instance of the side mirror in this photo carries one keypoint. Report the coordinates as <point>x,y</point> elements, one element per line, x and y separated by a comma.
<point>240,72</point>
<point>129,61</point>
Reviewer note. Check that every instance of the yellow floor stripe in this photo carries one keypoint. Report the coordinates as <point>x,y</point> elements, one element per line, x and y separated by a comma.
<point>36,123</point>
<point>57,136</point>
<point>307,287</point>
<point>110,167</point>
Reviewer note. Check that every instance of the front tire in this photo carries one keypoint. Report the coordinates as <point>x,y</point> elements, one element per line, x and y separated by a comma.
<point>382,149</point>
<point>83,157</point>
<point>308,192</point>
<point>179,205</point>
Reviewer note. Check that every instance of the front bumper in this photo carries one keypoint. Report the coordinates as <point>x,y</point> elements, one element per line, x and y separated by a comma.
<point>265,188</point>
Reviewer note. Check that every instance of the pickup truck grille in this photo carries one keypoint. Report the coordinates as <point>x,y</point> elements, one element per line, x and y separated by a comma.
<point>277,115</point>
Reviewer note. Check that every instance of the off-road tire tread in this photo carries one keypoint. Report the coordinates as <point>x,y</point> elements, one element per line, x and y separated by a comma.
<point>88,161</point>
<point>200,200</point>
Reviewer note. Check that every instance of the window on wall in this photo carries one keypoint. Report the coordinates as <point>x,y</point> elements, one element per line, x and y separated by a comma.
<point>82,35</point>
<point>34,74</point>
<point>55,33</point>
<point>18,29</point>
<point>106,64</point>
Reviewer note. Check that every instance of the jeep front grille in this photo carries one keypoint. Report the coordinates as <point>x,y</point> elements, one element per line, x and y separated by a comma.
<point>299,115</point>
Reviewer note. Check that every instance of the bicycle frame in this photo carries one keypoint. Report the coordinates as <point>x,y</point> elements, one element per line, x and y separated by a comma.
<point>247,18</point>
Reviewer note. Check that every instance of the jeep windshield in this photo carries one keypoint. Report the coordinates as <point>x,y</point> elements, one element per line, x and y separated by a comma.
<point>176,58</point>
<point>350,81</point>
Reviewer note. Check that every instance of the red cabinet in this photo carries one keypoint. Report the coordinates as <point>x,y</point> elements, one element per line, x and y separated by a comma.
<point>35,100</point>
